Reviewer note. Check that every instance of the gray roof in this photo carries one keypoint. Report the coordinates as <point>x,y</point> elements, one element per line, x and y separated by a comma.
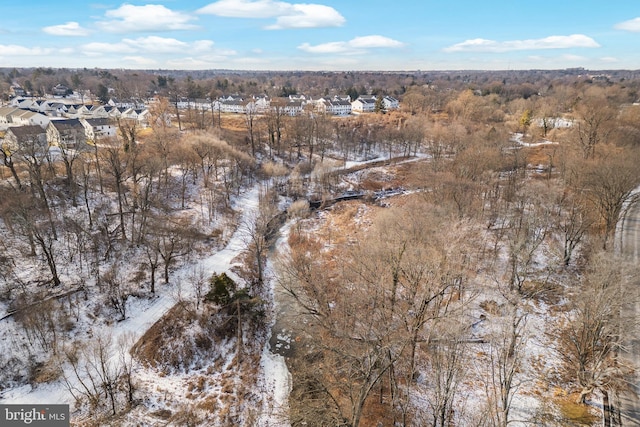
<point>68,124</point>
<point>99,122</point>
<point>25,132</point>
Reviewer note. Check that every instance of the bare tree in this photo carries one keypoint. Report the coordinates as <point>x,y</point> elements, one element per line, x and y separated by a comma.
<point>117,168</point>
<point>7,160</point>
<point>573,223</point>
<point>595,121</point>
<point>117,292</point>
<point>45,239</point>
<point>505,362</point>
<point>607,185</point>
<point>590,333</point>
<point>371,312</point>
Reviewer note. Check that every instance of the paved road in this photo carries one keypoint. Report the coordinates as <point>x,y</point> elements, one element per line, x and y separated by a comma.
<point>628,235</point>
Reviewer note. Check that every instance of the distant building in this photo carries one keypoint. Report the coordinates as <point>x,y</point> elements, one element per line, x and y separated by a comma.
<point>21,137</point>
<point>17,90</point>
<point>99,128</point>
<point>337,106</point>
<point>364,104</point>
<point>67,134</point>
<point>390,103</point>
<point>61,90</point>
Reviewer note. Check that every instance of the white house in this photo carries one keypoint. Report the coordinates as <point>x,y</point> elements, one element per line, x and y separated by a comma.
<point>69,133</point>
<point>98,128</point>
<point>390,103</point>
<point>27,117</point>
<point>364,104</point>
<point>76,111</point>
<point>294,107</point>
<point>96,111</point>
<point>234,106</point>
<point>17,116</point>
<point>262,103</point>
<point>53,108</point>
<point>141,115</point>
<point>6,114</point>
<point>336,106</point>
<point>125,103</point>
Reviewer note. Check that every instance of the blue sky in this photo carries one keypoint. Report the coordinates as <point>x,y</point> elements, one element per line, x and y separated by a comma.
<point>321,34</point>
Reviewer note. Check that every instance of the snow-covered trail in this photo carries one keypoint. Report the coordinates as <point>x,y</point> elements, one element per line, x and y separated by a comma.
<point>144,313</point>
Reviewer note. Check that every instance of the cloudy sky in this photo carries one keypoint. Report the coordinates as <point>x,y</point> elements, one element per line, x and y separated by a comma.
<point>321,34</point>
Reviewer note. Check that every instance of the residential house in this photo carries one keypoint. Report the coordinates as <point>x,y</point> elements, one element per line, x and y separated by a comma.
<point>390,103</point>
<point>122,103</point>
<point>235,106</point>
<point>61,90</point>
<point>181,103</point>
<point>28,117</point>
<point>96,111</point>
<point>98,128</point>
<point>22,102</point>
<point>114,112</point>
<point>6,114</point>
<point>141,115</point>
<point>69,133</point>
<point>29,137</point>
<point>20,117</point>
<point>53,108</point>
<point>336,106</point>
<point>76,111</point>
<point>262,103</point>
<point>294,107</point>
<point>17,90</point>
<point>231,98</point>
<point>201,104</point>
<point>364,104</point>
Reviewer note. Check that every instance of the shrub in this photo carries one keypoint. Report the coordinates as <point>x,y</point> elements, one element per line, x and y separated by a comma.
<point>222,289</point>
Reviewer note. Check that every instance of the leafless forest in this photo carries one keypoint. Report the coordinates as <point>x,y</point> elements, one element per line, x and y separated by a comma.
<point>451,263</point>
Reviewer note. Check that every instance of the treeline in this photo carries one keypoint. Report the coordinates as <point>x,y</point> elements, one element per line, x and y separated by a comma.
<point>126,84</point>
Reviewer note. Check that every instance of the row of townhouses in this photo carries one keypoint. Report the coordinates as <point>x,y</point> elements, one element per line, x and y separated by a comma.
<point>75,134</point>
<point>291,106</point>
<point>31,111</point>
<point>40,112</point>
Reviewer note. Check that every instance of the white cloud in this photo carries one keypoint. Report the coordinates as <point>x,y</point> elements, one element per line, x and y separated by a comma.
<point>246,8</point>
<point>150,17</point>
<point>551,42</point>
<point>16,50</point>
<point>353,46</point>
<point>154,45</point>
<point>630,25</point>
<point>72,29</point>
<point>609,59</point>
<point>96,48</point>
<point>200,62</point>
<point>374,41</point>
<point>309,16</point>
<point>140,61</point>
<point>288,15</point>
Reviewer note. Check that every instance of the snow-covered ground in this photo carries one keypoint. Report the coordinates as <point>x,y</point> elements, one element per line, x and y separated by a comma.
<point>143,313</point>
<point>519,139</point>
